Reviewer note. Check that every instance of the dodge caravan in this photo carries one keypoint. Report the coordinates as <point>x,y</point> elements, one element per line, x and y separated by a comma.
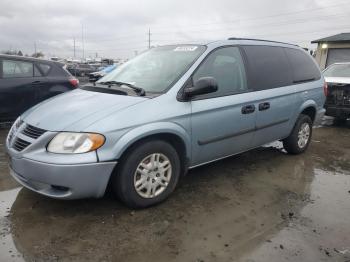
<point>168,110</point>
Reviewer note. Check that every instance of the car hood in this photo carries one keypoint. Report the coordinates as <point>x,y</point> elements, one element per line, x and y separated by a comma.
<point>340,80</point>
<point>75,110</point>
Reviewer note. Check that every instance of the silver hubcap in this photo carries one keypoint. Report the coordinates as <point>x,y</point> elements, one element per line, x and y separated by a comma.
<point>152,175</point>
<point>303,135</point>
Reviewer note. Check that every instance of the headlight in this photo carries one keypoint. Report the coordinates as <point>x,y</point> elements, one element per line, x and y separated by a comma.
<point>75,143</point>
<point>14,128</point>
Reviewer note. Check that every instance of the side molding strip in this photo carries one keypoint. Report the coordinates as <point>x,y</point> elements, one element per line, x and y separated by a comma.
<point>219,138</point>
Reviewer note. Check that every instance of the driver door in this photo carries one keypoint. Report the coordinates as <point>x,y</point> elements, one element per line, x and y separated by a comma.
<point>223,122</point>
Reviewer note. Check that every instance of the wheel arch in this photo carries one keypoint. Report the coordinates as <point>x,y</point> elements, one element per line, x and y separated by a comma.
<point>172,133</point>
<point>308,108</point>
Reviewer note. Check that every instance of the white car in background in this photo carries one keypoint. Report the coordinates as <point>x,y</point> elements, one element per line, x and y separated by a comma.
<point>337,103</point>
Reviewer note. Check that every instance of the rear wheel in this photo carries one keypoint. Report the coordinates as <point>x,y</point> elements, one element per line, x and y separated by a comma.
<point>298,141</point>
<point>147,174</point>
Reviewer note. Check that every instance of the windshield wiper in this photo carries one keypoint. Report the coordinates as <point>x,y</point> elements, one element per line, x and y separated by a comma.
<point>139,90</point>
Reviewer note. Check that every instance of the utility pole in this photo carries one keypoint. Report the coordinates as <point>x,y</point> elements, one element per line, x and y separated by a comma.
<point>149,38</point>
<point>82,38</point>
<point>74,47</point>
<point>35,47</point>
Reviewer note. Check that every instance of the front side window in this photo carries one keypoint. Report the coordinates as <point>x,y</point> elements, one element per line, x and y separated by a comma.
<point>226,66</point>
<point>157,69</point>
<point>337,70</point>
<point>16,69</point>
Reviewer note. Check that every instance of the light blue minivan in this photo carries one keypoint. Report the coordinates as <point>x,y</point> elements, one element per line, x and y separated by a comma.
<point>169,109</point>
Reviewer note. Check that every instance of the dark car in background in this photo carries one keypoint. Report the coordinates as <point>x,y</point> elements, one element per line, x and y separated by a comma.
<point>81,69</point>
<point>337,104</point>
<point>25,81</point>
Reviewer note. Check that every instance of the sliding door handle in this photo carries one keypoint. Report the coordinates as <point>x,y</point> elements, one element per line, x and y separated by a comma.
<point>264,106</point>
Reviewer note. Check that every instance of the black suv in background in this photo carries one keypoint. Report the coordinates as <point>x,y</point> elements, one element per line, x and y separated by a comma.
<point>26,81</point>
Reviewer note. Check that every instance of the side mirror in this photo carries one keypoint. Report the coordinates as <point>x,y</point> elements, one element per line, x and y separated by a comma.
<point>203,85</point>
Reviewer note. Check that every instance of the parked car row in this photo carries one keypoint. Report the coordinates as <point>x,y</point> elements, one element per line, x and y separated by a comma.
<point>95,70</point>
<point>93,77</point>
<point>81,69</point>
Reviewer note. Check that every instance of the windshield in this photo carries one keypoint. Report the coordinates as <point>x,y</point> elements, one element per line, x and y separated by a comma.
<point>157,69</point>
<point>337,70</point>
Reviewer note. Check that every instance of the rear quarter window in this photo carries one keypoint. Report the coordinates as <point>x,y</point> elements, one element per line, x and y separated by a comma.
<point>303,67</point>
<point>268,67</point>
<point>58,70</point>
<point>45,68</point>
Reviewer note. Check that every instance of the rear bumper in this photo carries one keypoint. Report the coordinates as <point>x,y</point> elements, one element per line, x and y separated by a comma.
<point>62,181</point>
<point>338,111</point>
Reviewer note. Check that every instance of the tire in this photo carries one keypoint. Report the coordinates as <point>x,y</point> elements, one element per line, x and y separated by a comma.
<point>131,173</point>
<point>293,144</point>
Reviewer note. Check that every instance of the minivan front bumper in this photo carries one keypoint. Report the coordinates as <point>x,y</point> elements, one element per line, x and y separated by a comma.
<point>71,181</point>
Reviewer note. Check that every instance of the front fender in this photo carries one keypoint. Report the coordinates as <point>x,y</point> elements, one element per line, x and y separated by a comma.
<point>140,132</point>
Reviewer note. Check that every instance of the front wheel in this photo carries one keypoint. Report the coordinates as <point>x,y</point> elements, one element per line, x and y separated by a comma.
<point>147,174</point>
<point>298,141</point>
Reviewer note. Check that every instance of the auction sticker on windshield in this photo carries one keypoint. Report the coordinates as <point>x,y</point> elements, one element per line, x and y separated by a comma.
<point>185,48</point>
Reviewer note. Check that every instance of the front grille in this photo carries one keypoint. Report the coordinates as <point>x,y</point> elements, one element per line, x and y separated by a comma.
<point>20,144</point>
<point>339,95</point>
<point>32,131</point>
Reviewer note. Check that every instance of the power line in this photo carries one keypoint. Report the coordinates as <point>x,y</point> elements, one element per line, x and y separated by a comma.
<point>261,17</point>
<point>274,24</point>
<point>101,39</point>
<point>278,24</point>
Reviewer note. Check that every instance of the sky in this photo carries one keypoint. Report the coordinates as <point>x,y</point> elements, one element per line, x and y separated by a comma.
<point>119,29</point>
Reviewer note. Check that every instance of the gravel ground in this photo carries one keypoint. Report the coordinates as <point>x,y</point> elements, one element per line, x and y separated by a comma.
<point>263,205</point>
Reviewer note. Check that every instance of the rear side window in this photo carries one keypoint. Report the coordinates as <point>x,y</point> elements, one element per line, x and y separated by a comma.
<point>16,69</point>
<point>268,67</point>
<point>304,69</point>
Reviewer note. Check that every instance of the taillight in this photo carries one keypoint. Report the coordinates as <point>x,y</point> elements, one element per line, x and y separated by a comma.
<point>74,82</point>
<point>325,89</point>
